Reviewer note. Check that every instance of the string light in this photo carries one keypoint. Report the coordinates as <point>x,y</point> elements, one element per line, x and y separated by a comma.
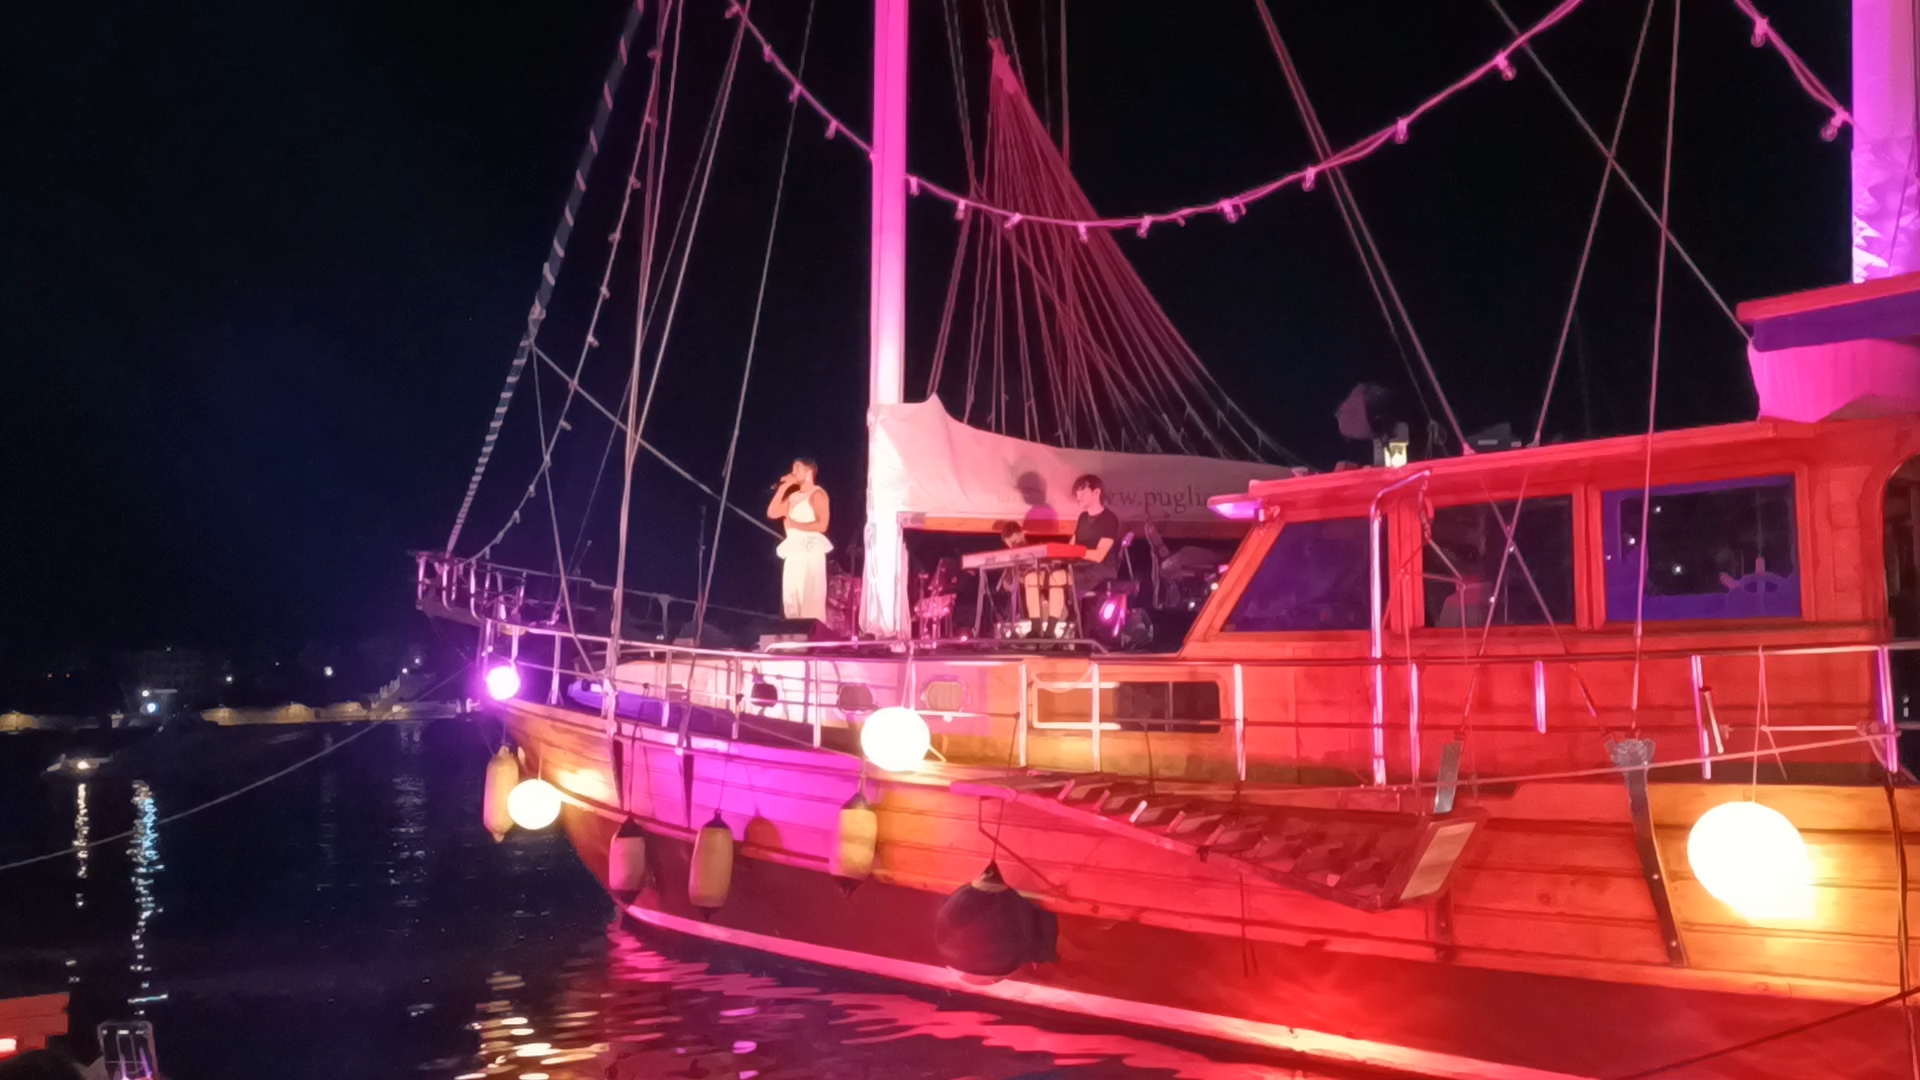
<point>1012,221</point>
<point>1398,133</point>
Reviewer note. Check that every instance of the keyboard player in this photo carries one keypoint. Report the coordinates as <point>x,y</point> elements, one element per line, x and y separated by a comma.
<point>1048,576</point>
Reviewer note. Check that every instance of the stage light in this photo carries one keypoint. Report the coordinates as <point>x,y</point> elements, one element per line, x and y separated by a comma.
<point>503,682</point>
<point>1752,859</point>
<point>895,739</point>
<point>533,804</point>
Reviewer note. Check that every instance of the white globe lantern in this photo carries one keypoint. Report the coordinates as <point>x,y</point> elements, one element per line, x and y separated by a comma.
<point>1752,859</point>
<point>533,804</point>
<point>895,739</point>
<point>503,682</point>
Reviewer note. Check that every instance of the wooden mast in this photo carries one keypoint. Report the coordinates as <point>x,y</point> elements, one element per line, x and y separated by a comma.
<point>1886,196</point>
<point>883,594</point>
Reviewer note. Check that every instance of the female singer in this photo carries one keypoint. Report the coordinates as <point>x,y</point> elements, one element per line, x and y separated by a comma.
<point>800,502</point>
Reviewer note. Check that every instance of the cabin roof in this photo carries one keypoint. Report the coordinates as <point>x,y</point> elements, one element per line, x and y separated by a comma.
<point>1887,308</point>
<point>1733,444</point>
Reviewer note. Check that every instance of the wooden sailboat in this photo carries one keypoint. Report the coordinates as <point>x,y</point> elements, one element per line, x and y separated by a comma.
<point>1450,776</point>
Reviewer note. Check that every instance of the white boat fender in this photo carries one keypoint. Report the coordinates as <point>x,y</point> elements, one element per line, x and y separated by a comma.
<point>627,862</point>
<point>855,836</point>
<point>988,929</point>
<point>503,775</point>
<point>710,872</point>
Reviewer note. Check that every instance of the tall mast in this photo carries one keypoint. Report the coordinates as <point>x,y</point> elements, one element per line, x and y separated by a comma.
<point>883,593</point>
<point>1886,197</point>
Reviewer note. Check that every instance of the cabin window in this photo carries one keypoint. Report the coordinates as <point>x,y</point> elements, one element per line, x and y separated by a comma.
<point>1314,577</point>
<point>1464,562</point>
<point>1725,550</point>
<point>943,696</point>
<point>1133,706</point>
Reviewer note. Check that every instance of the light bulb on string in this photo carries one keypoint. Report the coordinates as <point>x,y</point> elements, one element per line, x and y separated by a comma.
<point>1013,219</point>
<point>1832,129</point>
<point>1145,224</point>
<point>913,186</point>
<point>1306,182</point>
<point>959,209</point>
<point>1506,67</point>
<point>1760,33</point>
<point>1400,131</point>
<point>1081,228</point>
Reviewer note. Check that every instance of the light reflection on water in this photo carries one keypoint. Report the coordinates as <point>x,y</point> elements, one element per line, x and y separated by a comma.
<point>145,852</point>
<point>627,1011</point>
<point>354,920</point>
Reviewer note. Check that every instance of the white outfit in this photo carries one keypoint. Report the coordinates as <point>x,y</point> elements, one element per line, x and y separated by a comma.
<point>803,582</point>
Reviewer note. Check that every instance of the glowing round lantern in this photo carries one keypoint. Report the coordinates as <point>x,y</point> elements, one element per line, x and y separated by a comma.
<point>503,682</point>
<point>503,773</point>
<point>1752,859</point>
<point>895,739</point>
<point>534,804</point>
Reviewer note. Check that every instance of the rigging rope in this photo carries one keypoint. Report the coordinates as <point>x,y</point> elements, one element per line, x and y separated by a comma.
<point>587,345</point>
<point>1599,202</point>
<point>550,270</point>
<point>1356,225</point>
<point>753,339</point>
<point>1613,163</point>
<point>1232,207</point>
<point>620,427</point>
<point>1653,381</point>
<point>1076,346</point>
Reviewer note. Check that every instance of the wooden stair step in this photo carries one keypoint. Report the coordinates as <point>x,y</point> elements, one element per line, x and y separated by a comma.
<point>1078,787</point>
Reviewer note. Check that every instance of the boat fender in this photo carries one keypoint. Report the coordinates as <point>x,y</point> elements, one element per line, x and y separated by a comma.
<point>855,836</point>
<point>503,775</point>
<point>710,872</point>
<point>627,862</point>
<point>988,929</point>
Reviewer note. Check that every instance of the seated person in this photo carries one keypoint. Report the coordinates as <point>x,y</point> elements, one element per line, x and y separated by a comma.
<point>1029,582</point>
<point>1097,529</point>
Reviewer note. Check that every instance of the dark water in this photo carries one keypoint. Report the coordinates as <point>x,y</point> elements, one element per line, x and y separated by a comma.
<point>353,920</point>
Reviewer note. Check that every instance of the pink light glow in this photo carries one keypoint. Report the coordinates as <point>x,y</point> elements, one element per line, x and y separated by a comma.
<point>1109,611</point>
<point>1235,509</point>
<point>503,682</point>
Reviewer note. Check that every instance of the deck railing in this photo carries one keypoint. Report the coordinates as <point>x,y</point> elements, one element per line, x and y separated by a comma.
<point>492,596</point>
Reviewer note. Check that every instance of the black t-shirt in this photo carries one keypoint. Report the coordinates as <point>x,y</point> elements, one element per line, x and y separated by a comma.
<point>1090,529</point>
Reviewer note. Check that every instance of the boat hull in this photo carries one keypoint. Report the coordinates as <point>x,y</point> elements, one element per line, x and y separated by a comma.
<point>1396,1007</point>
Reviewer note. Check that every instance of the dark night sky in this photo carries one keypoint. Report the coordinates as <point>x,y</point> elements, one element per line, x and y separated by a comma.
<point>262,266</point>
